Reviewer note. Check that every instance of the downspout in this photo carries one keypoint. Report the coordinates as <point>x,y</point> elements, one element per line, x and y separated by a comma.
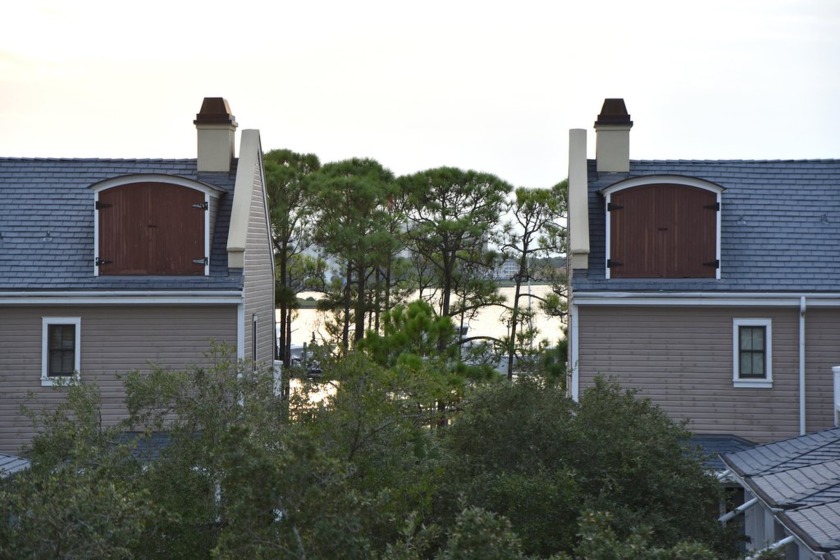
<point>240,331</point>
<point>776,545</point>
<point>738,511</point>
<point>574,351</point>
<point>802,308</point>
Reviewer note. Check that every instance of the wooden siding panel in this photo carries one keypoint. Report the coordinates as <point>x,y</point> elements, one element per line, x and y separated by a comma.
<point>151,228</point>
<point>663,231</point>
<point>259,278</point>
<point>682,360</point>
<point>113,340</point>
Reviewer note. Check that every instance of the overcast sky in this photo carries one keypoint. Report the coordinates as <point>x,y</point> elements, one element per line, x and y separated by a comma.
<point>485,85</point>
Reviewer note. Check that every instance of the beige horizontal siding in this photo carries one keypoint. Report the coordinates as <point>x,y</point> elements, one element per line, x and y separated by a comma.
<point>822,351</point>
<point>682,360</point>
<point>259,278</point>
<point>114,340</point>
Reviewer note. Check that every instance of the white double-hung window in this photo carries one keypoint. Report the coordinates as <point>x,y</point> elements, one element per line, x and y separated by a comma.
<point>752,352</point>
<point>60,349</point>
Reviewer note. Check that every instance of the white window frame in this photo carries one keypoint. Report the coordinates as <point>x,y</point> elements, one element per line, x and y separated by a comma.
<point>767,381</point>
<point>46,380</point>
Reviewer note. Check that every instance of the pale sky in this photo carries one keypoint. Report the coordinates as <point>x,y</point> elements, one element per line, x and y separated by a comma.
<point>485,85</point>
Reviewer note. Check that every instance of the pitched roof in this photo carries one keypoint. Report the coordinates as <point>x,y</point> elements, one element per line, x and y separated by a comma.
<point>9,465</point>
<point>712,446</point>
<point>801,477</point>
<point>47,225</point>
<point>780,226</point>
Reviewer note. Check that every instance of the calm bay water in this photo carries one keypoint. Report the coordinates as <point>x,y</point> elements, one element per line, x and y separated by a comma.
<point>489,322</point>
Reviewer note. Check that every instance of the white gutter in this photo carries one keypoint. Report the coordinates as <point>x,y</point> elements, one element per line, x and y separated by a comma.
<point>738,510</point>
<point>802,309</point>
<point>122,298</point>
<point>728,299</point>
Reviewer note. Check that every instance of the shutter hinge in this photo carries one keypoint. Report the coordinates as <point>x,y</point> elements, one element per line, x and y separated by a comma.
<point>203,260</point>
<point>715,206</point>
<point>611,207</point>
<point>611,263</point>
<point>101,260</point>
<point>715,263</point>
<point>100,205</point>
<point>201,206</point>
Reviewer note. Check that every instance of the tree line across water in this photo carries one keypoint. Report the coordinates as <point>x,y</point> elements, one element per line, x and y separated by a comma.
<point>441,231</point>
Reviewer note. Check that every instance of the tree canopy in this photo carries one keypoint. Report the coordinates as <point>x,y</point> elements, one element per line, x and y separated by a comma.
<point>522,472</point>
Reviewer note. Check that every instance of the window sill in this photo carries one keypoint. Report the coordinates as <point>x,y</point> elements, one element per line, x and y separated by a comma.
<point>753,384</point>
<point>62,381</point>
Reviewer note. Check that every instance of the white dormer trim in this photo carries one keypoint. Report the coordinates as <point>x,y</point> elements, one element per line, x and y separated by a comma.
<point>210,192</point>
<point>648,180</point>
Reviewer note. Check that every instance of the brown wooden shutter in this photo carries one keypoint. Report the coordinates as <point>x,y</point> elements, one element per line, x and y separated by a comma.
<point>151,228</point>
<point>663,231</point>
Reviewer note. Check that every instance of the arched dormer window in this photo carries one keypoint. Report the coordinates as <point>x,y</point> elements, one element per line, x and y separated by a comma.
<point>663,227</point>
<point>152,225</point>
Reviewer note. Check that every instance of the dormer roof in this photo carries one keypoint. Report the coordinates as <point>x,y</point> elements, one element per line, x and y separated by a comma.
<point>47,225</point>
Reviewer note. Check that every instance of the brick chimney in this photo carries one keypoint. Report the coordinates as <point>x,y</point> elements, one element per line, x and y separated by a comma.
<point>612,137</point>
<point>216,135</point>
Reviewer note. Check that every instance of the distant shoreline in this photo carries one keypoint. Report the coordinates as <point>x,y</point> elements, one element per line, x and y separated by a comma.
<point>311,301</point>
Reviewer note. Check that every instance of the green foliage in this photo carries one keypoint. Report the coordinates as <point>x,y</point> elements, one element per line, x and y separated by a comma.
<point>80,498</point>
<point>451,215</point>
<point>612,452</point>
<point>536,230</point>
<point>599,541</point>
<point>353,223</point>
<point>286,173</point>
<point>410,332</point>
<point>520,472</point>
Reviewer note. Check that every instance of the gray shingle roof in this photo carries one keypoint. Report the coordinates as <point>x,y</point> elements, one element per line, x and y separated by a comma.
<point>9,464</point>
<point>47,229</point>
<point>712,446</point>
<point>780,226</point>
<point>800,476</point>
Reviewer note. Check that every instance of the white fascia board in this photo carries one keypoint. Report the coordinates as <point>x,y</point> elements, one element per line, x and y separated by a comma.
<point>122,298</point>
<point>706,299</point>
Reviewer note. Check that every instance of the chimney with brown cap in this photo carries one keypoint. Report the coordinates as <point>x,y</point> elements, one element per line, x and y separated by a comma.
<point>612,137</point>
<point>216,135</point>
